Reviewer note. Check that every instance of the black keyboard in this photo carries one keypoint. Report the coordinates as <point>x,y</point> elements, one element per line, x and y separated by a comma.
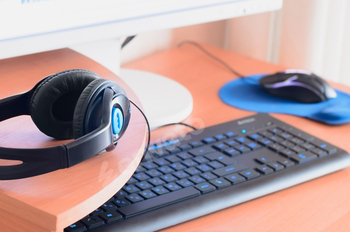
<point>211,169</point>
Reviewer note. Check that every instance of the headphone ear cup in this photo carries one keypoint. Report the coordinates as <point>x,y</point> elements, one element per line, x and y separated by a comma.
<point>87,119</point>
<point>53,102</point>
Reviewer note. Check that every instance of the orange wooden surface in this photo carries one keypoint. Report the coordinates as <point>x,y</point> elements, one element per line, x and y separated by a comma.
<point>50,202</point>
<point>322,204</point>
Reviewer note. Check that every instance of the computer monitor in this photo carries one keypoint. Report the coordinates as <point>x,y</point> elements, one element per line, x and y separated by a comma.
<point>31,26</point>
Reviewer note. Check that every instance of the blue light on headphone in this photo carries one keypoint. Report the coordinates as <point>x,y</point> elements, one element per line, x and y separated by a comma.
<point>117,120</point>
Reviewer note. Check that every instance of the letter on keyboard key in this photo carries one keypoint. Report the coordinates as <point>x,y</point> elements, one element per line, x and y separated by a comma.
<point>158,202</point>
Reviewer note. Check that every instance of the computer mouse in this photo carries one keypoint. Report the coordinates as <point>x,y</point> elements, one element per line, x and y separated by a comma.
<point>298,85</point>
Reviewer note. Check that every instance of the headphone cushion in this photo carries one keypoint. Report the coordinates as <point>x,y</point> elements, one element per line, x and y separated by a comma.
<point>53,102</point>
<point>81,113</point>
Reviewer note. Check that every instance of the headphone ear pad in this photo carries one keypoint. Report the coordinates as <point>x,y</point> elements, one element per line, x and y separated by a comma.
<point>83,115</point>
<point>53,102</point>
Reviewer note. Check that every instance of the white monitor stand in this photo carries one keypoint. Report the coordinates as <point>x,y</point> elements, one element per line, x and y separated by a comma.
<point>163,100</point>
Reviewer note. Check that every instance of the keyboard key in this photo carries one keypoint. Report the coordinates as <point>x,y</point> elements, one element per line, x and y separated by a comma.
<point>235,178</point>
<point>165,169</point>
<point>243,149</point>
<point>276,166</point>
<point>153,173</point>
<point>184,155</point>
<point>209,140</point>
<point>156,181</point>
<point>276,147</point>
<point>192,171</point>
<point>180,174</point>
<point>184,183</point>
<point>215,164</point>
<point>303,157</point>
<point>265,141</point>
<point>220,146</point>
<point>287,153</point>
<point>250,174</point>
<point>263,159</point>
<point>147,194</point>
<point>241,139</point>
<point>108,206</point>
<point>196,144</point>
<point>201,151</point>
<point>231,143</point>
<point>325,146</point>
<point>297,149</point>
<point>205,187</point>
<point>121,202</point>
<point>144,185</point>
<point>92,222</point>
<point>253,146</point>
<point>287,143</point>
<point>173,158</point>
<point>184,147</point>
<point>189,163</point>
<point>109,217</point>
<point>96,212</point>
<point>220,183</point>
<point>319,152</point>
<point>173,150</point>
<point>141,176</point>
<point>172,186</point>
<point>177,166</point>
<point>204,168</point>
<point>196,179</point>
<point>232,152</point>
<point>220,137</point>
<point>208,175</point>
<point>76,227</point>
<point>230,134</point>
<point>158,202</point>
<point>297,140</point>
<point>307,146</point>
<point>134,198</point>
<point>168,178</point>
<point>229,169</point>
<point>264,170</point>
<point>201,159</point>
<point>255,136</point>
<point>131,189</point>
<point>160,162</point>
<point>287,163</point>
<point>149,165</point>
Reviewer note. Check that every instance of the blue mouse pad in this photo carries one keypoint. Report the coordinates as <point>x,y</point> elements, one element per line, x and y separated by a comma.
<point>247,94</point>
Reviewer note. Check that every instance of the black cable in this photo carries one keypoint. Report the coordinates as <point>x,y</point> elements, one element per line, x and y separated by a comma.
<point>178,123</point>
<point>127,40</point>
<point>242,77</point>
<point>149,128</point>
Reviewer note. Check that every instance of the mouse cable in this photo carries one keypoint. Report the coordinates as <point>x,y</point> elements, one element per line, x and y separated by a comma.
<point>211,56</point>
<point>127,40</point>
<point>149,128</point>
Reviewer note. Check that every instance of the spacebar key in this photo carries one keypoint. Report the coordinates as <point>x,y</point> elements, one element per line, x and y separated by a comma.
<point>158,202</point>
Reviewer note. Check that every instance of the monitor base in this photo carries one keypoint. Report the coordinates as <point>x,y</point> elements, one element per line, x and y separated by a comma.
<point>164,100</point>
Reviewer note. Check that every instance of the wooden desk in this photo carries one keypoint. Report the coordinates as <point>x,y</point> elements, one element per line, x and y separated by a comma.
<point>53,201</point>
<point>318,205</point>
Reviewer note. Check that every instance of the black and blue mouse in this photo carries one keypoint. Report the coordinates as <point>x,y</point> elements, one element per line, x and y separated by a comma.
<point>298,85</point>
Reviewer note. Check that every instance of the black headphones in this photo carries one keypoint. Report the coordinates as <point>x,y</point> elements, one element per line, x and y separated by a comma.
<point>74,104</point>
